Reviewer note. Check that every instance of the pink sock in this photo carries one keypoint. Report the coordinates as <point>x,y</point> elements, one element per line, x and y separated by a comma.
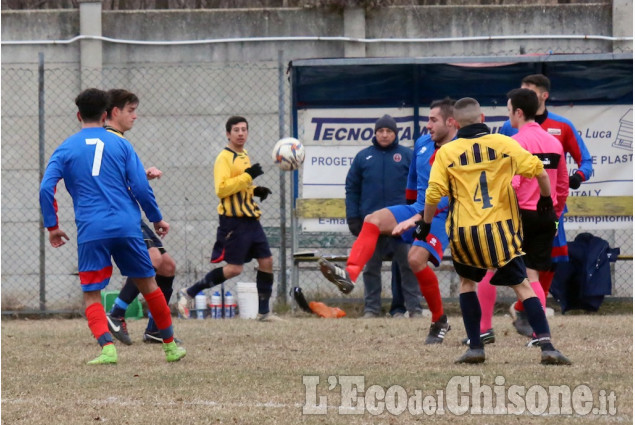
<point>487,298</point>
<point>540,293</point>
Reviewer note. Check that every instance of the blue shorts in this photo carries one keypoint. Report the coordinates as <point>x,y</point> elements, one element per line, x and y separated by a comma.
<point>239,240</point>
<point>95,266</point>
<point>437,239</point>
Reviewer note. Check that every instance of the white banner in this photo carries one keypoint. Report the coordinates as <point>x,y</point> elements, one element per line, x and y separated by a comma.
<point>334,136</point>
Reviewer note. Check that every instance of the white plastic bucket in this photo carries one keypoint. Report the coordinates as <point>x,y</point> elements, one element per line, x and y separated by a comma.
<point>247,293</point>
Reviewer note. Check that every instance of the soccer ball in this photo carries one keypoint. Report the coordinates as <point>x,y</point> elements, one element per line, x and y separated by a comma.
<point>288,154</point>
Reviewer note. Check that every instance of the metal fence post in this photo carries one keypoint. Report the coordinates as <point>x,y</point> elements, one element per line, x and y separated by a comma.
<point>42,165</point>
<point>282,285</point>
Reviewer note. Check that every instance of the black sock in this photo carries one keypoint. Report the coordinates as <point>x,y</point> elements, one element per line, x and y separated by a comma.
<point>212,278</point>
<point>471,310</point>
<point>538,321</point>
<point>129,291</point>
<point>264,283</point>
<point>165,284</point>
<point>127,294</point>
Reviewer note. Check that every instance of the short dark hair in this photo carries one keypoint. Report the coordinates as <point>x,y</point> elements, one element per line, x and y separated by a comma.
<point>92,103</point>
<point>446,106</point>
<point>525,100</point>
<point>538,80</point>
<point>119,98</point>
<point>232,121</point>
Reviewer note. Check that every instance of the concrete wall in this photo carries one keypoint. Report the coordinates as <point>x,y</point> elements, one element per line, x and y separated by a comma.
<point>389,22</point>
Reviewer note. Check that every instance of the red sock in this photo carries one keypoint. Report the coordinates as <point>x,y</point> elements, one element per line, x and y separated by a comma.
<point>362,250</point>
<point>96,316</point>
<point>487,299</point>
<point>429,286</point>
<point>160,312</point>
<point>546,278</point>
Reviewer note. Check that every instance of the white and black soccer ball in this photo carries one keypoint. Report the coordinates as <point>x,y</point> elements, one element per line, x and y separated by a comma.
<point>288,154</point>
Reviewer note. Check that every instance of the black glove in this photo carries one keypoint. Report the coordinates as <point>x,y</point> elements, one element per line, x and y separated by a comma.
<point>545,206</point>
<point>262,192</point>
<point>410,201</point>
<point>355,225</point>
<point>575,180</point>
<point>422,230</point>
<point>254,171</point>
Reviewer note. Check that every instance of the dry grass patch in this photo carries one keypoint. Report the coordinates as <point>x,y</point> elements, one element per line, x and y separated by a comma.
<point>242,371</point>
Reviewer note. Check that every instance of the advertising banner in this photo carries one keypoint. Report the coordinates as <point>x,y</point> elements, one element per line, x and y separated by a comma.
<point>334,136</point>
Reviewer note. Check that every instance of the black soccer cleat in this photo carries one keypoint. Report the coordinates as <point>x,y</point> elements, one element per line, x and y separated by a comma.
<point>521,323</point>
<point>438,330</point>
<point>155,338</point>
<point>336,275</point>
<point>487,337</point>
<point>119,328</point>
<point>553,357</point>
<point>472,356</point>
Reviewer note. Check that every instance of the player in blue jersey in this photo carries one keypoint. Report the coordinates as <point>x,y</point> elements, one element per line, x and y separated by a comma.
<point>573,145</point>
<point>107,183</point>
<point>121,116</point>
<point>441,130</point>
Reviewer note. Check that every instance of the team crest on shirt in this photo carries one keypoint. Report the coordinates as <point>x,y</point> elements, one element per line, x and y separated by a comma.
<point>554,131</point>
<point>396,157</point>
<point>433,241</point>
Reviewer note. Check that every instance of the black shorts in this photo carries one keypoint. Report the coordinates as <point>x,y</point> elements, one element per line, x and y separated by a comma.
<point>512,273</point>
<point>151,239</point>
<point>538,234</point>
<point>239,240</point>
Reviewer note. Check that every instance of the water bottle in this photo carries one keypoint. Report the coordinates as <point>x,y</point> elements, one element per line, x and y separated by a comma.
<point>216,305</point>
<point>200,302</point>
<point>230,305</point>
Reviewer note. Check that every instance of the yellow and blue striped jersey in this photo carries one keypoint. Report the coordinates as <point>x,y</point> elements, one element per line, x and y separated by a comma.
<point>483,223</point>
<point>233,186</point>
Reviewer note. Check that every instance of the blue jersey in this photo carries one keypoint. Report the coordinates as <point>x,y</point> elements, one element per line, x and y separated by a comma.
<point>419,174</point>
<point>107,182</point>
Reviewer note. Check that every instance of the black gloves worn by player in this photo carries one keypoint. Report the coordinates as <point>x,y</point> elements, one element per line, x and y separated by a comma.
<point>254,171</point>
<point>544,207</point>
<point>422,230</point>
<point>262,192</point>
<point>355,225</point>
<point>575,180</point>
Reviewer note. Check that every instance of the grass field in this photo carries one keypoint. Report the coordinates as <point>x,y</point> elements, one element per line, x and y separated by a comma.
<point>245,372</point>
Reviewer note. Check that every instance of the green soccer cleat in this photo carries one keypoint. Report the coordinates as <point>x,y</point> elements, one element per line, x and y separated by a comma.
<point>108,355</point>
<point>173,353</point>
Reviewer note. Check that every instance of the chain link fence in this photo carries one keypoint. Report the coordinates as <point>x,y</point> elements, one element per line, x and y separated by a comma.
<point>180,129</point>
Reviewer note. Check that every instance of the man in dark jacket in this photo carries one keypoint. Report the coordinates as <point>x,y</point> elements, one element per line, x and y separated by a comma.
<point>377,179</point>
